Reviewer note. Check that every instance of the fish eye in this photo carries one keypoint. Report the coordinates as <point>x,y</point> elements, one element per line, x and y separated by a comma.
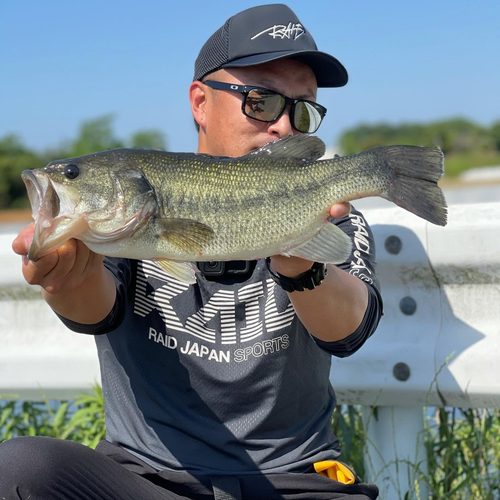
<point>71,171</point>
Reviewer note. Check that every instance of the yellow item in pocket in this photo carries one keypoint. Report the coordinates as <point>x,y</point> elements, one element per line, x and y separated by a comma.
<point>335,470</point>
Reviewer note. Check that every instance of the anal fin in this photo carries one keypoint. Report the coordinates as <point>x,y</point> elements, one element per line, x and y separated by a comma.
<point>183,271</point>
<point>331,245</point>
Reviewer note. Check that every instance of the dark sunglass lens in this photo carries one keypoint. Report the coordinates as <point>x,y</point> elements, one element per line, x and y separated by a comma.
<point>306,117</point>
<point>264,106</point>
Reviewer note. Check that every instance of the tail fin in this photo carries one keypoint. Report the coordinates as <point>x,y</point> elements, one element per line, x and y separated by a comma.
<point>416,172</point>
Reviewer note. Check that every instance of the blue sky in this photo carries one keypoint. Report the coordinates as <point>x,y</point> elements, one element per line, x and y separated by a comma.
<point>62,62</point>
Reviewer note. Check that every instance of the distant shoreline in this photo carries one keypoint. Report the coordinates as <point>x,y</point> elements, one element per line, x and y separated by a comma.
<point>16,215</point>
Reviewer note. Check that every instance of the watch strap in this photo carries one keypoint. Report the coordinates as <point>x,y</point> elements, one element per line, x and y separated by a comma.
<point>307,281</point>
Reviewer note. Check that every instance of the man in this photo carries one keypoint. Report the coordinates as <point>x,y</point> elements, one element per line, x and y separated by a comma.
<point>219,389</point>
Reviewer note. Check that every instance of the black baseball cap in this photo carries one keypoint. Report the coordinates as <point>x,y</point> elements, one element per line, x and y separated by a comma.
<point>262,34</point>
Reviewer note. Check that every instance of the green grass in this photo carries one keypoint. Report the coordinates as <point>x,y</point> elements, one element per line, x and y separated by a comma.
<point>81,420</point>
<point>462,445</point>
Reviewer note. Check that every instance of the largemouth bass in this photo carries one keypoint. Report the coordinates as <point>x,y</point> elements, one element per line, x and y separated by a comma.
<point>180,208</point>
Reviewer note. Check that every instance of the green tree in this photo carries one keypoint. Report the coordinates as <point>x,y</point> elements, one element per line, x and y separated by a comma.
<point>459,135</point>
<point>14,158</point>
<point>95,135</point>
<point>464,143</point>
<point>456,135</point>
<point>148,139</point>
<point>495,134</point>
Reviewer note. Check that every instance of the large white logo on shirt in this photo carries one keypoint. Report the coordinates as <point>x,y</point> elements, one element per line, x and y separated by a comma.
<point>362,244</point>
<point>222,303</point>
<point>290,31</point>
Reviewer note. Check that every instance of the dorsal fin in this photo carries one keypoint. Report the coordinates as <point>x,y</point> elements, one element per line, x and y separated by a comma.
<point>300,147</point>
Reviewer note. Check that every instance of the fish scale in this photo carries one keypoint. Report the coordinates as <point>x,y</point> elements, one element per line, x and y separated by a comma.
<point>244,220</point>
<point>180,207</point>
<point>250,214</point>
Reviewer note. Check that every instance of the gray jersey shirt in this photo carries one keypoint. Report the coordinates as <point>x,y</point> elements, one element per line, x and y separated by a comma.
<point>221,378</point>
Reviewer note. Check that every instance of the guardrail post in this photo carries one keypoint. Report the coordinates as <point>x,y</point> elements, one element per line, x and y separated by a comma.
<point>395,458</point>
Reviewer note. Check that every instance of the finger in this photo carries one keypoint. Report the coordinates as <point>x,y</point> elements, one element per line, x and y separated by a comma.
<point>85,265</point>
<point>34,272</point>
<point>340,210</point>
<point>55,280</point>
<point>22,243</point>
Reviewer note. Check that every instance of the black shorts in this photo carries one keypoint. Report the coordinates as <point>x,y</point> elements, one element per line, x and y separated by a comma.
<point>42,468</point>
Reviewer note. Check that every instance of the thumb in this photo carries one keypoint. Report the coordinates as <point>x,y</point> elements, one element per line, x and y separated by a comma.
<point>22,243</point>
<point>340,210</point>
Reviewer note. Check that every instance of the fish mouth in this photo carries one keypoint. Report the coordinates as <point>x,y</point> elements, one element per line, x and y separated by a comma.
<point>43,197</point>
<point>46,212</point>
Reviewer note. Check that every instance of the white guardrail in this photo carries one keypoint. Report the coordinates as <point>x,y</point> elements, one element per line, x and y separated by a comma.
<point>438,343</point>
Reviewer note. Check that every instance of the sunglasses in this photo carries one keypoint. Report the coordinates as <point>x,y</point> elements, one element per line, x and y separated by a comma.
<point>267,105</point>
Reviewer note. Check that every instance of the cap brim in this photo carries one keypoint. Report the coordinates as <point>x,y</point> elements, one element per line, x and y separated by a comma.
<point>329,72</point>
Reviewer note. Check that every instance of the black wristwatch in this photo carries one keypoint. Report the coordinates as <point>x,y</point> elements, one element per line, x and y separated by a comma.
<point>308,281</point>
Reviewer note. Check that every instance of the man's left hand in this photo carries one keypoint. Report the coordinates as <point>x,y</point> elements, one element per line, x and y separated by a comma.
<point>293,267</point>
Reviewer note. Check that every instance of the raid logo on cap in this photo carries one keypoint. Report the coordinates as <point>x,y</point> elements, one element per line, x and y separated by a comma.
<point>291,31</point>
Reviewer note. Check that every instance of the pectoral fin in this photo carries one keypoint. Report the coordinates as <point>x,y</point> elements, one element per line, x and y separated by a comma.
<point>183,271</point>
<point>330,245</point>
<point>188,235</point>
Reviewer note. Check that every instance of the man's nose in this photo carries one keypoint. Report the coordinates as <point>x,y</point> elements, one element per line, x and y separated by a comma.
<point>282,127</point>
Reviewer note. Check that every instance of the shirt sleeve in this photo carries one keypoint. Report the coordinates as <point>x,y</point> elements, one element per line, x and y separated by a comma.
<point>361,263</point>
<point>121,272</point>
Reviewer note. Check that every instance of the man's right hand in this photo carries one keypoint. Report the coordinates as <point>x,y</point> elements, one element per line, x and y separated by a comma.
<point>74,281</point>
<point>60,271</point>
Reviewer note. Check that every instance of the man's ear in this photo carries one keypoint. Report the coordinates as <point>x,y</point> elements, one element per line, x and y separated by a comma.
<point>198,100</point>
